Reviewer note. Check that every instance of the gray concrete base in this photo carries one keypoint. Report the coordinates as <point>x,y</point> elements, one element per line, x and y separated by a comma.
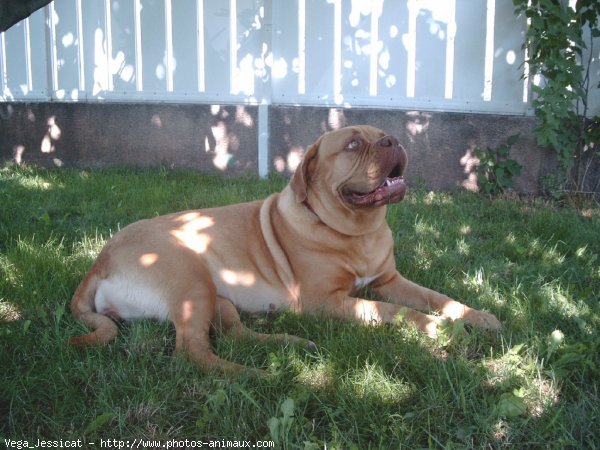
<point>225,138</point>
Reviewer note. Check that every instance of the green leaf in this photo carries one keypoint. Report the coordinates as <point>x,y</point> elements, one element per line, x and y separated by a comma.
<point>218,398</point>
<point>513,168</point>
<point>274,425</point>
<point>287,408</point>
<point>511,406</point>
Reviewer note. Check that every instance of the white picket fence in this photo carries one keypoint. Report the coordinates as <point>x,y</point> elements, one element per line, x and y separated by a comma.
<point>452,55</point>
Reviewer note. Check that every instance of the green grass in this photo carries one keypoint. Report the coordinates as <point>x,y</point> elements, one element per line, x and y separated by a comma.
<point>532,263</point>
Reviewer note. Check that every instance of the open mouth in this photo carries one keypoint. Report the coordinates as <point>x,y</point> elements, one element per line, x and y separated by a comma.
<point>391,190</point>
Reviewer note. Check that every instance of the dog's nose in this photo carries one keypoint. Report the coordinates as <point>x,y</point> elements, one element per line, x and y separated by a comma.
<point>387,141</point>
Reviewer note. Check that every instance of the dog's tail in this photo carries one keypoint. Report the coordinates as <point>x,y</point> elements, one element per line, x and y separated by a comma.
<point>82,307</point>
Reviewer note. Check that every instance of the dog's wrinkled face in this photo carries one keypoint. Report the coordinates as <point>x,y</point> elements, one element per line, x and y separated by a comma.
<point>367,166</point>
<point>348,176</point>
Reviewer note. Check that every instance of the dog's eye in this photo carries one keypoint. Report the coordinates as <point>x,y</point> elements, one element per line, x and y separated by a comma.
<point>353,144</point>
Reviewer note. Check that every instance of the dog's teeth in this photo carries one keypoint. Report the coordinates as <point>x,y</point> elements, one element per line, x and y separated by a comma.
<point>388,182</point>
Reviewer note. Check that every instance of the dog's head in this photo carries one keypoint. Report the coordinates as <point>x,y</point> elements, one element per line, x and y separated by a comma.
<point>360,165</point>
<point>349,175</point>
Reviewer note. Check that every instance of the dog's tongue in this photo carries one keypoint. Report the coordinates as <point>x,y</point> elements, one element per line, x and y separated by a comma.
<point>392,190</point>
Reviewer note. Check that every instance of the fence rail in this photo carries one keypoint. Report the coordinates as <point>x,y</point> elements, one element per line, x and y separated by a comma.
<point>457,55</point>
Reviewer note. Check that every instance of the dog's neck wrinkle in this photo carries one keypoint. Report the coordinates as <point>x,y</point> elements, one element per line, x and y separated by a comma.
<point>280,259</point>
<point>347,221</point>
<point>310,208</point>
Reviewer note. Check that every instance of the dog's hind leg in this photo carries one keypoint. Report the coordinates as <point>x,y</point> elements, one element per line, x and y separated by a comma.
<point>192,319</point>
<point>227,321</point>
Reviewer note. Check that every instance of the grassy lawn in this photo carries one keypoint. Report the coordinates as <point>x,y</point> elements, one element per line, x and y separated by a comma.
<point>533,263</point>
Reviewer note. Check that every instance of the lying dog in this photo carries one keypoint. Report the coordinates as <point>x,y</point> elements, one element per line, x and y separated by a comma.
<point>306,249</point>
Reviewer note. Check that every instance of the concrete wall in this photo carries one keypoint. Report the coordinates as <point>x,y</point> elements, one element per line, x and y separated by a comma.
<point>201,137</point>
<point>225,138</point>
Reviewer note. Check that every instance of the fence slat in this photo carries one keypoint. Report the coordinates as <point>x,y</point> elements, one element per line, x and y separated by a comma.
<point>122,60</point>
<point>217,55</point>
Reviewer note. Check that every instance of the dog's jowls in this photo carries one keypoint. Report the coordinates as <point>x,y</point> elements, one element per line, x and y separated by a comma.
<point>306,249</point>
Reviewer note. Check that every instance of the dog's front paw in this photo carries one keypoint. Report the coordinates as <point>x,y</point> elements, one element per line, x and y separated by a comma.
<point>482,319</point>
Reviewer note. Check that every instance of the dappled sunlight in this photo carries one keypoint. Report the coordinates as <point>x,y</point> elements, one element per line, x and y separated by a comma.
<point>279,164</point>
<point>187,310</point>
<point>318,375</point>
<point>294,158</point>
<point>46,146</point>
<point>189,233</point>
<point>53,134</point>
<point>291,163</point>
<point>557,298</point>
<point>243,117</point>
<point>9,312</point>
<point>50,138</point>
<point>156,121</point>
<point>490,295</point>
<point>465,229</point>
<point>545,394</point>
<point>237,278</point>
<point>148,259</point>
<point>371,382</point>
<point>423,227</point>
<point>102,79</point>
<point>336,118</point>
<point>90,246</point>
<point>438,198</point>
<point>511,238</point>
<point>475,280</point>
<point>18,151</point>
<point>221,151</point>
<point>294,144</point>
<point>223,134</point>
<point>38,183</point>
<point>462,247</point>
<point>580,252</point>
<point>422,258</point>
<point>417,123</point>
<point>520,378</point>
<point>196,242</point>
<point>198,220</point>
<point>548,255</point>
<point>590,212</point>
<point>367,312</point>
<point>470,162</point>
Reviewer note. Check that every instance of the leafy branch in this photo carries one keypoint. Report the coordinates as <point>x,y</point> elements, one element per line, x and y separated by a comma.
<point>496,170</point>
<point>560,45</point>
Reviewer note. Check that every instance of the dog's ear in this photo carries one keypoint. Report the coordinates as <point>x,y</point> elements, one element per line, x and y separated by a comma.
<point>304,171</point>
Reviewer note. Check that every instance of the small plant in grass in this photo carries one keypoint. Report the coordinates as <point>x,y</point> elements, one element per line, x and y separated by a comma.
<point>496,170</point>
<point>279,427</point>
